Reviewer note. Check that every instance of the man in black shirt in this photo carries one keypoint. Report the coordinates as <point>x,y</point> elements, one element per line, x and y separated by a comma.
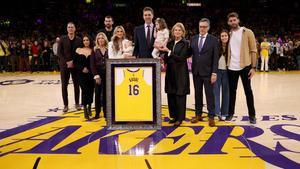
<point>66,52</point>
<point>108,30</point>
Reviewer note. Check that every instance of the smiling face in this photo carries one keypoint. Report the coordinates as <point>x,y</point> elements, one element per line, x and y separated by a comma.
<point>148,16</point>
<point>203,28</point>
<point>224,37</point>
<point>233,22</point>
<point>86,41</point>
<point>120,33</point>
<point>101,40</point>
<point>178,32</point>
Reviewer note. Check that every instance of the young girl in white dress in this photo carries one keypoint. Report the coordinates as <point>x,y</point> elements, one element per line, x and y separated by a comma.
<point>161,36</point>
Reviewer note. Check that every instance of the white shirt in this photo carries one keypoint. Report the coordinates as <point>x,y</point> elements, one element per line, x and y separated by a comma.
<point>151,30</point>
<point>222,63</point>
<point>235,48</point>
<point>126,48</point>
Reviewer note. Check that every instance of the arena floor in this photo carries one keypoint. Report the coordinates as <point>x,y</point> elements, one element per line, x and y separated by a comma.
<point>34,133</point>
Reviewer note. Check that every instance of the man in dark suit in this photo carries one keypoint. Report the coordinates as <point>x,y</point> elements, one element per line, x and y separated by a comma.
<point>66,52</point>
<point>143,36</point>
<point>205,53</point>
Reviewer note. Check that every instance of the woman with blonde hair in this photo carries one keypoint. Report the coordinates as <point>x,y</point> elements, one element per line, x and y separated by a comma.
<point>98,58</point>
<point>177,83</point>
<point>119,47</point>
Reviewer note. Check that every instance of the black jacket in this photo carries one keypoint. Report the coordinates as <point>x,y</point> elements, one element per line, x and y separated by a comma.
<point>66,51</point>
<point>177,79</point>
<point>141,49</point>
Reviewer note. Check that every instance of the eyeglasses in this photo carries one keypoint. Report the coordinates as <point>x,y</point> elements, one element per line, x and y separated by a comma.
<point>203,26</point>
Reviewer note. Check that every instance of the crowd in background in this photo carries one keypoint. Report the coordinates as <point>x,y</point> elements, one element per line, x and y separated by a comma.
<point>29,33</point>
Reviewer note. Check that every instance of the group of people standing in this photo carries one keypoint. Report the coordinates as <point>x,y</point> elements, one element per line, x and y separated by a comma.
<point>216,64</point>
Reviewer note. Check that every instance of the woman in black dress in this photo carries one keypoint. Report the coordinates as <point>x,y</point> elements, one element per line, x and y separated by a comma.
<point>85,76</point>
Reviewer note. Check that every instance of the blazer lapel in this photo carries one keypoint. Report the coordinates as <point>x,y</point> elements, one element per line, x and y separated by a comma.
<point>152,36</point>
<point>143,35</point>
<point>196,43</point>
<point>206,42</point>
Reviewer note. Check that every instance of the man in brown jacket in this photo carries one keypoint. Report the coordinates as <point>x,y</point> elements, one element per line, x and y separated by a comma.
<point>241,63</point>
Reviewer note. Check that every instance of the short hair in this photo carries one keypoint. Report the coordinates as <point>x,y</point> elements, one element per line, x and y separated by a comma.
<point>162,23</point>
<point>233,14</point>
<point>109,17</point>
<point>181,26</point>
<point>147,8</point>
<point>205,20</point>
<point>71,23</point>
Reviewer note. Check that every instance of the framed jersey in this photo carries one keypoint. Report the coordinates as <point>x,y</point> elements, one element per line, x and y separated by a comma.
<point>133,94</point>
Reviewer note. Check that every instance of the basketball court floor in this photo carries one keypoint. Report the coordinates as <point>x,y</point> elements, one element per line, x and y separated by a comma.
<point>34,133</point>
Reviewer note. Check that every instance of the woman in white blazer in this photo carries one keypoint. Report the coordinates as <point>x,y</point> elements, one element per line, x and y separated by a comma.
<point>119,47</point>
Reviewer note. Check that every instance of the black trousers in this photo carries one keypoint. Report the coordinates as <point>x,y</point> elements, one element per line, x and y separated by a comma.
<point>199,82</point>
<point>86,83</point>
<point>177,106</point>
<point>100,95</point>
<point>35,64</point>
<point>65,76</point>
<point>14,62</point>
<point>46,63</point>
<point>233,77</point>
<point>282,62</point>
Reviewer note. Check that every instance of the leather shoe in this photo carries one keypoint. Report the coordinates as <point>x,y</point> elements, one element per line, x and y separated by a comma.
<point>211,122</point>
<point>252,120</point>
<point>172,121</point>
<point>196,119</point>
<point>229,118</point>
<point>97,116</point>
<point>77,106</point>
<point>177,123</point>
<point>66,108</point>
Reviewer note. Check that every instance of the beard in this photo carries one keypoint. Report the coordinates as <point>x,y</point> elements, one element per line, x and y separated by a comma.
<point>234,26</point>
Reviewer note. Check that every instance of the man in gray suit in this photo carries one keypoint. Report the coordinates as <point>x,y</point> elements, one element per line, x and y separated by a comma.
<point>205,54</point>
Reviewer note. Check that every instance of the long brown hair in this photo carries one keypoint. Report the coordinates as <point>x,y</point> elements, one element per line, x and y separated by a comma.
<point>162,23</point>
<point>224,51</point>
<point>115,38</point>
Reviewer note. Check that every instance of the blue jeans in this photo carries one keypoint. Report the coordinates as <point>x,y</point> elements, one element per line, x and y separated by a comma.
<point>222,80</point>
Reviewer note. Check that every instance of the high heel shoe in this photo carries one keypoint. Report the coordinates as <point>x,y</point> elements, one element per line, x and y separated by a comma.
<point>85,111</point>
<point>89,110</point>
<point>172,121</point>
